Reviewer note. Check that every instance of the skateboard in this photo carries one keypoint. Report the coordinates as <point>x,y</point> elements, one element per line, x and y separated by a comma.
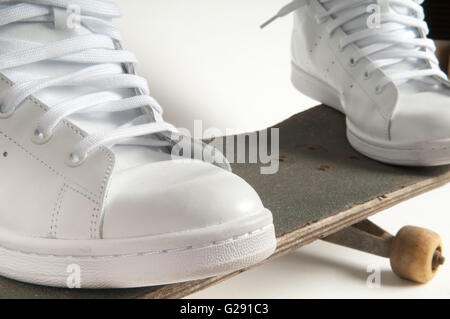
<point>323,190</point>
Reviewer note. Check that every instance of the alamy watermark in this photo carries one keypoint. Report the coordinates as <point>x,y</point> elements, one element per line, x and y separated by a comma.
<point>261,147</point>
<point>73,20</point>
<point>374,278</point>
<point>73,280</point>
<point>376,11</point>
<point>374,19</point>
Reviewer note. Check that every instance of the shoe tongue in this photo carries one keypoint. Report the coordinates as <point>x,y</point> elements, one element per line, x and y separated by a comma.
<point>361,22</point>
<point>48,32</point>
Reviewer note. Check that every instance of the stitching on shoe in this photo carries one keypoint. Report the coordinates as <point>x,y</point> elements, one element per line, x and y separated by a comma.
<point>94,201</point>
<point>94,223</point>
<point>355,80</point>
<point>49,167</point>
<point>155,252</point>
<point>445,148</point>
<point>96,215</point>
<point>56,211</point>
<point>76,131</point>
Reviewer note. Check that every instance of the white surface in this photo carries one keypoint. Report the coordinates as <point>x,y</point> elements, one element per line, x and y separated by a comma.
<point>323,270</point>
<point>207,59</point>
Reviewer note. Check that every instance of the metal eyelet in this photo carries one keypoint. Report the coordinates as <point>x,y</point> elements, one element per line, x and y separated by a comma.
<point>5,115</point>
<point>75,160</point>
<point>352,62</point>
<point>320,19</point>
<point>39,137</point>
<point>379,89</point>
<point>366,75</point>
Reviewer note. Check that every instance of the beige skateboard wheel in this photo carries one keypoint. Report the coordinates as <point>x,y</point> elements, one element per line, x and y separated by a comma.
<point>416,254</point>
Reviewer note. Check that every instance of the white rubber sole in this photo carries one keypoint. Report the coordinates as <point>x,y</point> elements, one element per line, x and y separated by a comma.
<point>125,263</point>
<point>432,153</point>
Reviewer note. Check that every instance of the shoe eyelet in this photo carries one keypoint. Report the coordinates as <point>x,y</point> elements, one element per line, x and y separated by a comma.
<point>379,89</point>
<point>5,115</point>
<point>75,160</point>
<point>366,75</point>
<point>39,137</point>
<point>352,62</point>
<point>320,19</point>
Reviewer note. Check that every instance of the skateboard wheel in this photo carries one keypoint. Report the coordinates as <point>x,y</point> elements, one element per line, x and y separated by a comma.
<point>416,254</point>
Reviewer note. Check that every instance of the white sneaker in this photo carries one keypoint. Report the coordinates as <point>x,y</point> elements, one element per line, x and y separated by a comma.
<point>90,193</point>
<point>372,61</point>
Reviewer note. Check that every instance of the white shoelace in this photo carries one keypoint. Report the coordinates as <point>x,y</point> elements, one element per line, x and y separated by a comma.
<point>388,45</point>
<point>101,48</point>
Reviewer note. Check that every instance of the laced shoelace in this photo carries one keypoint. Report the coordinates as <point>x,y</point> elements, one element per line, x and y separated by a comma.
<point>386,46</point>
<point>101,48</point>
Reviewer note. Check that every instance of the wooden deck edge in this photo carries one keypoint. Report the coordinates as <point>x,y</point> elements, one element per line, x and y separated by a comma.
<point>308,234</point>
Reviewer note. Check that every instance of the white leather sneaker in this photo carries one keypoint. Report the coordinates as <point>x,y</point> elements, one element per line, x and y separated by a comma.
<point>89,187</point>
<point>372,61</point>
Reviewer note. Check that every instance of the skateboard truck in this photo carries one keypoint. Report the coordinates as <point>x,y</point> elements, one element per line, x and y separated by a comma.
<point>415,253</point>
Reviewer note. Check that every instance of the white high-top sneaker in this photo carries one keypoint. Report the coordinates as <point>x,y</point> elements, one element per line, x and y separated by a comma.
<point>372,61</point>
<point>90,192</point>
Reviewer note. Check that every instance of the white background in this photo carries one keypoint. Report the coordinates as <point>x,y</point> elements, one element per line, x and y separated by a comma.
<point>207,59</point>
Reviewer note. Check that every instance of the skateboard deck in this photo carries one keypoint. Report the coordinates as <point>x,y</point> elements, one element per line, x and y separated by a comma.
<point>322,187</point>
